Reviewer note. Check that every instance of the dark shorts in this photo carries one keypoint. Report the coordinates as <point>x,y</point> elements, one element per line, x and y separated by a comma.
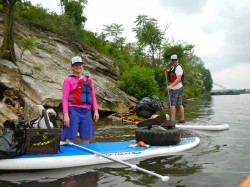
<point>80,121</point>
<point>176,97</point>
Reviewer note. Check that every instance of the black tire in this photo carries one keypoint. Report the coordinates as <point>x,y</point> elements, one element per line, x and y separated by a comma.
<point>158,137</point>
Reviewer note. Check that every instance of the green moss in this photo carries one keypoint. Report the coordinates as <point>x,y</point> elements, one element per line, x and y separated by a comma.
<point>39,68</point>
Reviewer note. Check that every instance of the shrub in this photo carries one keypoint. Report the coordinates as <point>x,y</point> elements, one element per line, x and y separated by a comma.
<point>139,82</point>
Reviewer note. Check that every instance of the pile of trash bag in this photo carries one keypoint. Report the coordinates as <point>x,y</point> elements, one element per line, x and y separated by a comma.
<point>148,106</point>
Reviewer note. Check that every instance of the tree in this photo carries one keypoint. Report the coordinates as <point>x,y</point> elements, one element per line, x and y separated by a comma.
<point>115,32</point>
<point>7,49</point>
<point>205,75</point>
<point>181,50</point>
<point>149,35</point>
<point>207,79</point>
<point>74,10</point>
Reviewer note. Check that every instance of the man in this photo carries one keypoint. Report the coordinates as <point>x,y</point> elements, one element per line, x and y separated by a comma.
<point>175,77</point>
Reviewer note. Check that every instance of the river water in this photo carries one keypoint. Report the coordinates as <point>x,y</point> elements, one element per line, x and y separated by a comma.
<point>221,160</point>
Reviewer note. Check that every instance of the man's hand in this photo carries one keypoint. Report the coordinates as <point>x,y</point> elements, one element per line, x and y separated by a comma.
<point>165,69</point>
<point>169,87</point>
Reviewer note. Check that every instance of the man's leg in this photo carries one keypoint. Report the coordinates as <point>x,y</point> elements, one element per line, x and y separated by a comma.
<point>182,112</point>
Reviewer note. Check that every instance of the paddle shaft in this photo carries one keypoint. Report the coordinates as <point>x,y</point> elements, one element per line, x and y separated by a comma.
<point>163,178</point>
<point>171,113</point>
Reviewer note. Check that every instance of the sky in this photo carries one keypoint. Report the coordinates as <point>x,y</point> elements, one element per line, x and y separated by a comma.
<point>219,30</point>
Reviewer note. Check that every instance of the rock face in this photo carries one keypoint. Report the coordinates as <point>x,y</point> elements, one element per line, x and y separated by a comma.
<point>37,77</point>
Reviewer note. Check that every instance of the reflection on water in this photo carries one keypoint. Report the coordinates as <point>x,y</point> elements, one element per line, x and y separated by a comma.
<point>172,165</point>
<point>116,131</point>
<point>89,179</point>
<point>221,159</point>
<point>59,177</point>
<point>199,109</point>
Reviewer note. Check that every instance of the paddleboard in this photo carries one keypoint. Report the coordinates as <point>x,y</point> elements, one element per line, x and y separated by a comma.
<point>246,182</point>
<point>207,127</point>
<point>72,156</point>
<point>194,126</point>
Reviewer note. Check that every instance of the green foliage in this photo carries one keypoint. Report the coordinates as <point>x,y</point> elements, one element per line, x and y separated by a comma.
<point>39,68</point>
<point>110,86</point>
<point>207,79</point>
<point>148,35</point>
<point>65,26</point>
<point>161,81</point>
<point>46,48</point>
<point>141,71</point>
<point>74,10</point>
<point>32,15</point>
<point>1,55</point>
<point>181,50</point>
<point>139,82</point>
<point>28,43</point>
<point>114,30</point>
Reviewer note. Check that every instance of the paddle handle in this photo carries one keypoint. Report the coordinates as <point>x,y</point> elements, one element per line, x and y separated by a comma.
<point>134,167</point>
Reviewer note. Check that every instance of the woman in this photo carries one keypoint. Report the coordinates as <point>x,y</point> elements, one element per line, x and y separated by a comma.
<point>78,100</point>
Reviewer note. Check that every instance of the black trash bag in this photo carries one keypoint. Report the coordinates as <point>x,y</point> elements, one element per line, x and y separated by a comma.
<point>148,106</point>
<point>12,138</point>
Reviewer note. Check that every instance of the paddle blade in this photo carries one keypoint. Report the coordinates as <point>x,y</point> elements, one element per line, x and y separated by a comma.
<point>155,121</point>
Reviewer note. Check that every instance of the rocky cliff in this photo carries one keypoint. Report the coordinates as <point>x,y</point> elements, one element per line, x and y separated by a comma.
<point>37,77</point>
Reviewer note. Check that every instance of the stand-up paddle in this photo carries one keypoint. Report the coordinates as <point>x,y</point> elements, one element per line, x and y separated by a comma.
<point>134,167</point>
<point>169,101</point>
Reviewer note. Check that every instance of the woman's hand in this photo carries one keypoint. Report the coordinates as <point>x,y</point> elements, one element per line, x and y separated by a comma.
<point>66,120</point>
<point>96,116</point>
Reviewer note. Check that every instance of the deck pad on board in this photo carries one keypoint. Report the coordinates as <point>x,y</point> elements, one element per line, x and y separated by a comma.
<point>106,147</point>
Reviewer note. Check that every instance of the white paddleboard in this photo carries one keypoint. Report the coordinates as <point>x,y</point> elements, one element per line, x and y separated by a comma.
<point>207,127</point>
<point>194,126</point>
<point>71,156</point>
